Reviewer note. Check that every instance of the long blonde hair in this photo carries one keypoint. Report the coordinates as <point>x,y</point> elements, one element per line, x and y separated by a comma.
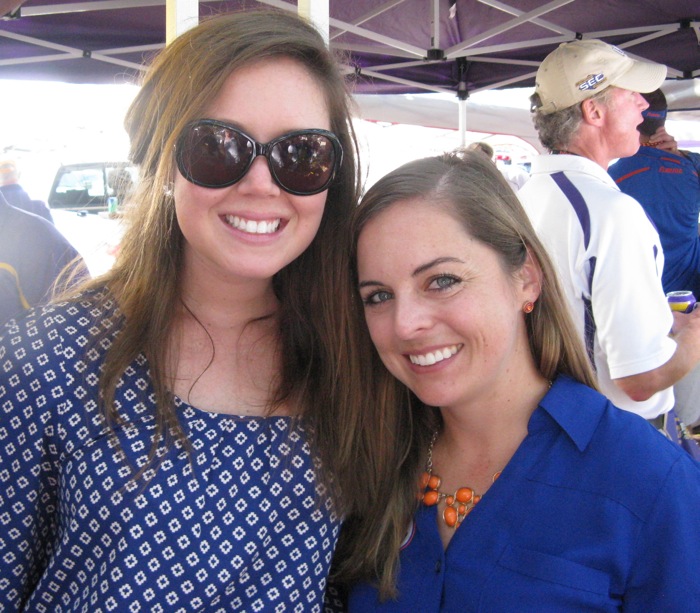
<point>397,425</point>
<point>145,280</point>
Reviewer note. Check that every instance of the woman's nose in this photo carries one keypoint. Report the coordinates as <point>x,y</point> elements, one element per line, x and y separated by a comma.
<point>258,180</point>
<point>410,318</point>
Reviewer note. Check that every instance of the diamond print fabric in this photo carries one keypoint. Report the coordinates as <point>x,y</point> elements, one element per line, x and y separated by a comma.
<point>238,525</point>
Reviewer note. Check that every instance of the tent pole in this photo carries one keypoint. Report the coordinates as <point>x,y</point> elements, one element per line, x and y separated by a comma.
<point>462,106</point>
<point>180,15</point>
<point>462,95</point>
<point>318,13</point>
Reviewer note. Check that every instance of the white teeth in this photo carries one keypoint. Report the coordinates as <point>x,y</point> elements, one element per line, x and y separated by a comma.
<point>251,226</point>
<point>434,357</point>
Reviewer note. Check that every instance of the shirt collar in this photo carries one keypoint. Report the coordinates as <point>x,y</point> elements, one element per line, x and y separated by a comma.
<point>576,408</point>
<point>548,164</point>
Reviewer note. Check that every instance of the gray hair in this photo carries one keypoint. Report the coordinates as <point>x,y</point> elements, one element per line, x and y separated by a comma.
<point>557,129</point>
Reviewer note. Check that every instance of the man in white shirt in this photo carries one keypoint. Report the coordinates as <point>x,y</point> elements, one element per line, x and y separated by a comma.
<point>587,105</point>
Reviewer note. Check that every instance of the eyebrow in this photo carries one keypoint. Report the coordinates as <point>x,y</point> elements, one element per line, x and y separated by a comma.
<point>421,269</point>
<point>435,262</point>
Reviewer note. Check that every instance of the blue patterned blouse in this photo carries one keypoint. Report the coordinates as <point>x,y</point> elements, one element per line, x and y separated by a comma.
<point>238,523</point>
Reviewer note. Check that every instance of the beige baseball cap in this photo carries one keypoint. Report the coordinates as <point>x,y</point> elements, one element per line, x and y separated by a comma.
<point>580,69</point>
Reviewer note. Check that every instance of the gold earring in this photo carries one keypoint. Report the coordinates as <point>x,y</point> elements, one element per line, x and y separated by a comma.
<point>528,307</point>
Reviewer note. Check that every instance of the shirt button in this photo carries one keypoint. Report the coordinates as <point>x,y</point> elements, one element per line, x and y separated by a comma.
<point>438,566</point>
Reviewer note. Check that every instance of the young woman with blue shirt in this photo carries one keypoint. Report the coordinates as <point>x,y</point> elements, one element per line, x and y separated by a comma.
<point>509,483</point>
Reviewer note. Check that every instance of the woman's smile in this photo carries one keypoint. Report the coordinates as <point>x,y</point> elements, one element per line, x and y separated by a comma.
<point>251,226</point>
<point>433,357</point>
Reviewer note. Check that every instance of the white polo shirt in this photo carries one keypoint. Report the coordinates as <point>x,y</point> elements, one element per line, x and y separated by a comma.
<point>610,261</point>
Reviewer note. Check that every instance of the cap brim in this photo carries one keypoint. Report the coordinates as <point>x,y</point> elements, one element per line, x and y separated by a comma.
<point>642,77</point>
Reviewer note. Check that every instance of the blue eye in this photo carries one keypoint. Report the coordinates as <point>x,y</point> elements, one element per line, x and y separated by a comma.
<point>443,282</point>
<point>376,298</point>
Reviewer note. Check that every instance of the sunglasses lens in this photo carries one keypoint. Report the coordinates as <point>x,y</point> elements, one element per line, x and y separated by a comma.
<point>211,155</point>
<point>304,163</point>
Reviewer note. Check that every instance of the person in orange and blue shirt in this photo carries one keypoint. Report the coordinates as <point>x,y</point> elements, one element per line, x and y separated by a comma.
<point>665,182</point>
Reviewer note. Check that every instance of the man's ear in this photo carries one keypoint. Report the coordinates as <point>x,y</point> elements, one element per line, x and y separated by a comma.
<point>593,111</point>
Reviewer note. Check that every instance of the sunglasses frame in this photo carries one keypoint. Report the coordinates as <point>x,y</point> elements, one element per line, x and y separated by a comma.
<point>264,149</point>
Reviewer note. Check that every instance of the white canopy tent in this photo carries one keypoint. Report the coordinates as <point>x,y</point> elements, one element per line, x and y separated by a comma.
<point>443,111</point>
<point>507,111</point>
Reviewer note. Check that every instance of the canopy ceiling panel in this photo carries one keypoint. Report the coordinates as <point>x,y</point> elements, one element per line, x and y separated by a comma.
<point>394,46</point>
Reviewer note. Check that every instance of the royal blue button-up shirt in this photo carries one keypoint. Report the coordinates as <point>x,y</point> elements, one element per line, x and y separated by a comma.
<point>596,511</point>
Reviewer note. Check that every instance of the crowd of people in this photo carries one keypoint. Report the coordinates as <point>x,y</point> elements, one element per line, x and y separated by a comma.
<point>444,393</point>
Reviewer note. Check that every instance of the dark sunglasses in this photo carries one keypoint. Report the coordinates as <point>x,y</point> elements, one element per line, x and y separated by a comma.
<point>215,154</point>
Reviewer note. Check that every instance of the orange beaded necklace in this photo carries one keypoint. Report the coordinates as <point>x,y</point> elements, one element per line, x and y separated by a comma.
<point>457,505</point>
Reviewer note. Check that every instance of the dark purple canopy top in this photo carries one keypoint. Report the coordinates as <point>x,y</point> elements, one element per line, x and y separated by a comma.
<point>391,46</point>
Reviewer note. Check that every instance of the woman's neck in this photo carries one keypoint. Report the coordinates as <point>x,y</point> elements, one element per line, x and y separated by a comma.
<point>496,422</point>
<point>226,302</point>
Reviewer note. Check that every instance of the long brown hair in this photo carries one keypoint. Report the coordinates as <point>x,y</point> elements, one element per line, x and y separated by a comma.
<point>317,370</point>
<point>398,426</point>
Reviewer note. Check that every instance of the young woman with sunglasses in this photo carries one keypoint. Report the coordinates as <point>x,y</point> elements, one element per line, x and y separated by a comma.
<point>172,435</point>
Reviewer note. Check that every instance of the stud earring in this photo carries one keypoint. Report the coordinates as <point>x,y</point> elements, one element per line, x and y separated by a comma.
<point>528,307</point>
<point>168,190</point>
